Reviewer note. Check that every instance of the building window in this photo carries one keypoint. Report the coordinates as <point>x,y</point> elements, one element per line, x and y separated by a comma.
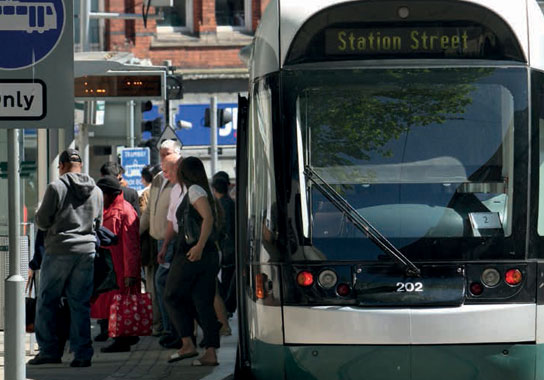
<point>230,12</point>
<point>177,18</point>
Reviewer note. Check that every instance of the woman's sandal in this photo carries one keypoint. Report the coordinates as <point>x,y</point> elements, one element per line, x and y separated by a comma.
<point>225,331</point>
<point>175,357</point>
<point>201,363</point>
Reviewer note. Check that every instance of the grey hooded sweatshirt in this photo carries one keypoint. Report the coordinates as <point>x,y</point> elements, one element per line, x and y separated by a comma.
<point>71,211</point>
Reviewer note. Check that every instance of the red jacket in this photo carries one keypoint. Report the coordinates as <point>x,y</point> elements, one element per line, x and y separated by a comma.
<point>122,220</point>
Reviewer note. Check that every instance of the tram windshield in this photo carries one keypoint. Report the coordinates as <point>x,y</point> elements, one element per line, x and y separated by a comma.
<point>425,155</point>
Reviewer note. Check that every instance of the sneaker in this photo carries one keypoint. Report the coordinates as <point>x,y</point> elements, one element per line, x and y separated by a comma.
<point>102,337</point>
<point>38,359</point>
<point>80,363</point>
<point>132,340</point>
<point>175,343</point>
<point>116,347</point>
<point>166,339</point>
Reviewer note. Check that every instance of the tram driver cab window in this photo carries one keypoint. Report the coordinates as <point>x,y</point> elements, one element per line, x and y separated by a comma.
<point>431,159</point>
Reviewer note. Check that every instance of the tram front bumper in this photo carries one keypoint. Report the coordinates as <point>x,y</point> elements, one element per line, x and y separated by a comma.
<point>432,362</point>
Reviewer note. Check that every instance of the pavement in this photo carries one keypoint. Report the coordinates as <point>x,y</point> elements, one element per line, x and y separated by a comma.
<point>146,361</point>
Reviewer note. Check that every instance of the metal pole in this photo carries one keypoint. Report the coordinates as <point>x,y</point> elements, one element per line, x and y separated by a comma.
<point>84,14</point>
<point>167,117</point>
<point>213,134</point>
<point>54,152</point>
<point>130,124</point>
<point>42,162</point>
<point>14,343</point>
<point>89,108</point>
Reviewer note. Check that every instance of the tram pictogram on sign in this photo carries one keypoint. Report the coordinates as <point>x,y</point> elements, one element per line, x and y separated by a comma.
<point>29,31</point>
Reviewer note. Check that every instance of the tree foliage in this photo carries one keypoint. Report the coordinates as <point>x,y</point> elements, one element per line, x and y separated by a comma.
<point>351,122</point>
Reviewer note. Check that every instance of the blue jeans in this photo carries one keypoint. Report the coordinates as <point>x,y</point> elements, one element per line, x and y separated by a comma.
<point>160,285</point>
<point>71,276</point>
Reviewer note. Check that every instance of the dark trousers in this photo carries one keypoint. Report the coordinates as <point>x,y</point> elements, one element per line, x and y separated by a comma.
<point>227,287</point>
<point>189,294</point>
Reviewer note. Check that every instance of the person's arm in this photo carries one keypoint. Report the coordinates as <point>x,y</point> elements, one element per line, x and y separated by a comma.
<point>99,220</point>
<point>202,206</point>
<point>170,234</point>
<point>144,200</point>
<point>144,219</point>
<point>131,249</point>
<point>45,216</point>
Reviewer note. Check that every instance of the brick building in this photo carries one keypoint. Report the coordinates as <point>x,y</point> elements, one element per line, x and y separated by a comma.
<point>202,39</point>
<point>194,34</point>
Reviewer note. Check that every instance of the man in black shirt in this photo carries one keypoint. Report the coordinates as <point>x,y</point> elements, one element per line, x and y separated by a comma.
<point>227,287</point>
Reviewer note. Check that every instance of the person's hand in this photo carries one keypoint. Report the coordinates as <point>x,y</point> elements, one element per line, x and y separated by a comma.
<point>29,279</point>
<point>194,254</point>
<point>130,281</point>
<point>161,255</point>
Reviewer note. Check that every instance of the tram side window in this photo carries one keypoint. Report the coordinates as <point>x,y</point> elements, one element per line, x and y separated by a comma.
<point>261,181</point>
<point>538,117</point>
<point>22,10</point>
<point>9,10</point>
<point>49,11</point>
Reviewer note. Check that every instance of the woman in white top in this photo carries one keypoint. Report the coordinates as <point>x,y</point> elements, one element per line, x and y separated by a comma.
<point>190,286</point>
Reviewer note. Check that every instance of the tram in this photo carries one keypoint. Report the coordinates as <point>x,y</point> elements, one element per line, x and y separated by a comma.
<point>390,191</point>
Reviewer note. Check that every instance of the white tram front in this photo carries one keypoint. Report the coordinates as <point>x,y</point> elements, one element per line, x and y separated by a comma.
<point>390,201</point>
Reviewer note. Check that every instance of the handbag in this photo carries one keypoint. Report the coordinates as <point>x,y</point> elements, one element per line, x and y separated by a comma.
<point>191,227</point>
<point>30,308</point>
<point>105,278</point>
<point>130,315</point>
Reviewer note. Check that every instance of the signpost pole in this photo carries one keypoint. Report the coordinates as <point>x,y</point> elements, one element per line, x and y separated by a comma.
<point>130,123</point>
<point>84,11</point>
<point>14,343</point>
<point>213,134</point>
<point>88,113</point>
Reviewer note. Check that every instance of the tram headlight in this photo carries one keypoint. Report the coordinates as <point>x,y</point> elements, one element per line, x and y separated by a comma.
<point>327,279</point>
<point>491,277</point>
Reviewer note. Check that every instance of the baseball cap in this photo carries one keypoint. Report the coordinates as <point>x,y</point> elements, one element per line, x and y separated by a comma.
<point>69,155</point>
<point>109,184</point>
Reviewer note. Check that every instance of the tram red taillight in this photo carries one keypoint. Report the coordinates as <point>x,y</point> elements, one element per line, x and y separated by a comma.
<point>305,278</point>
<point>513,277</point>
<point>343,290</point>
<point>476,288</point>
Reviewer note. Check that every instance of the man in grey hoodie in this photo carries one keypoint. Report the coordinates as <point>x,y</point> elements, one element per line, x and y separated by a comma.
<point>71,211</point>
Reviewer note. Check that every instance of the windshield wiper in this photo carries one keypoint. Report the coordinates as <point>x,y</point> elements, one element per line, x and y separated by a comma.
<point>361,223</point>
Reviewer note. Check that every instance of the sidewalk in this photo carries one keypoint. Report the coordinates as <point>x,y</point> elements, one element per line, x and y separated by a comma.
<point>146,361</point>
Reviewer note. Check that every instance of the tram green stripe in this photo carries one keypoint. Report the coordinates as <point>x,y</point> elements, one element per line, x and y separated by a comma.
<point>433,362</point>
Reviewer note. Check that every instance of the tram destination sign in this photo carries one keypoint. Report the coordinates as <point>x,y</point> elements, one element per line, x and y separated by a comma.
<point>406,42</point>
<point>36,64</point>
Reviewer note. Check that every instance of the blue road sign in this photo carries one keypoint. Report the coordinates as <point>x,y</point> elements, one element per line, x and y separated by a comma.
<point>29,31</point>
<point>133,161</point>
<point>199,135</point>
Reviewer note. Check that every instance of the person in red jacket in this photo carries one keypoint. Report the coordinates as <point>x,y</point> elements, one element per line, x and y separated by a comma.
<point>121,218</point>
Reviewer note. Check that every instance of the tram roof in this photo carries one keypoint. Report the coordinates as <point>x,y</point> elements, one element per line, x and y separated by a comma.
<point>271,46</point>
